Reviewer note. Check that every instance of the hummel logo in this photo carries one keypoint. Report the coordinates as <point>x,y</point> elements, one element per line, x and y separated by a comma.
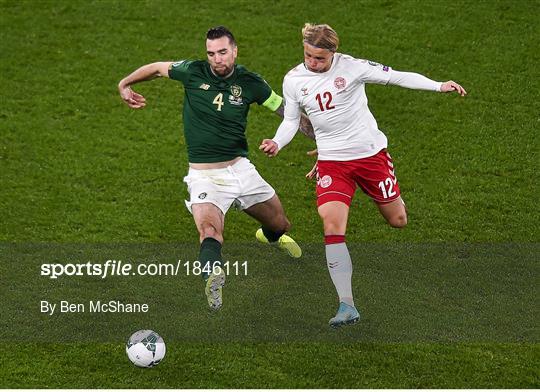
<point>204,86</point>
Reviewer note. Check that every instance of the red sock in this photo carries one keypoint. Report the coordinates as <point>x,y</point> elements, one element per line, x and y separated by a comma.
<point>334,239</point>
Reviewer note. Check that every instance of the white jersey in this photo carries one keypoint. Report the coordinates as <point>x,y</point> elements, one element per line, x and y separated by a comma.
<point>337,106</point>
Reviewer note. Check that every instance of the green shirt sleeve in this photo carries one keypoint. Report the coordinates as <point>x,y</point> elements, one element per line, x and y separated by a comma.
<point>180,70</point>
<point>265,95</point>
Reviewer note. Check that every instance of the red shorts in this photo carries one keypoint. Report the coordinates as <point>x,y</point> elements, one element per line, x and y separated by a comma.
<point>337,180</point>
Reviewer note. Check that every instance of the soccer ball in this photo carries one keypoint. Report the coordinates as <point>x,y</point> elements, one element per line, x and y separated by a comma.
<point>145,348</point>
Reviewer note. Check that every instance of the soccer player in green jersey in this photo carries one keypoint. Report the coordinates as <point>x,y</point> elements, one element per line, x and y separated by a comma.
<point>218,94</point>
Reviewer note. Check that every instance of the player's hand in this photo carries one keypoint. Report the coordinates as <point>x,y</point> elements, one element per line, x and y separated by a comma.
<point>131,98</point>
<point>269,147</point>
<point>313,172</point>
<point>450,86</point>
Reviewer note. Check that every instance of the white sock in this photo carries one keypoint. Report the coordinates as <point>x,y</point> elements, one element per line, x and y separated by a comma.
<point>339,265</point>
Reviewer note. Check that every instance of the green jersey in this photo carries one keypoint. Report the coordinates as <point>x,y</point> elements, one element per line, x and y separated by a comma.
<point>216,109</point>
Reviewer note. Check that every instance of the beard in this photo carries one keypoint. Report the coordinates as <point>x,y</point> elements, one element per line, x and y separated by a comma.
<point>223,70</point>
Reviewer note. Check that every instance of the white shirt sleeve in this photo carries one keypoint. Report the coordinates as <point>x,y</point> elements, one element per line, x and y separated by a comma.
<point>371,72</point>
<point>413,81</point>
<point>291,117</point>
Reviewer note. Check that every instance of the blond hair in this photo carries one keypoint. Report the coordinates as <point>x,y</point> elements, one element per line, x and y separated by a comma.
<point>321,36</point>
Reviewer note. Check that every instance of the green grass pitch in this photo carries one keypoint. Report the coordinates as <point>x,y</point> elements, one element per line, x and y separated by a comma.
<point>448,302</point>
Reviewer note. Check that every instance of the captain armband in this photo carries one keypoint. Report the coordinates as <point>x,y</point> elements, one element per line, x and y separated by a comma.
<point>273,102</point>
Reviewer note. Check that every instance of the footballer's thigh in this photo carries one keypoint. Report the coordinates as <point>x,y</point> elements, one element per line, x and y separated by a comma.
<point>270,214</point>
<point>210,221</point>
<point>258,199</point>
<point>335,190</point>
<point>211,194</point>
<point>376,176</point>
<point>334,215</point>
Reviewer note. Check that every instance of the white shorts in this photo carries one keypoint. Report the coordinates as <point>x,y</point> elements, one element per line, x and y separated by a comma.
<point>239,183</point>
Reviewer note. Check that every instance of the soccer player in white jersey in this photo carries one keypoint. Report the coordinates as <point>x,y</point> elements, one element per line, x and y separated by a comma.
<point>330,87</point>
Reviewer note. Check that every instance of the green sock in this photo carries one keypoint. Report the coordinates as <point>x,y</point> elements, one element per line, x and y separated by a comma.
<point>209,255</point>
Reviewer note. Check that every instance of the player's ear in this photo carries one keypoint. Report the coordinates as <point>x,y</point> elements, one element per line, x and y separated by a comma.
<point>235,51</point>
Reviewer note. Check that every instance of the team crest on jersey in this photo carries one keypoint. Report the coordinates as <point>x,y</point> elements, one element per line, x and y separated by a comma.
<point>325,181</point>
<point>202,196</point>
<point>236,90</point>
<point>340,83</point>
<point>304,91</point>
<point>204,86</point>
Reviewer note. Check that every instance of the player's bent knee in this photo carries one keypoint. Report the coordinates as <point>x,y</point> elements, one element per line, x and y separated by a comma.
<point>331,227</point>
<point>398,222</point>
<point>208,230</point>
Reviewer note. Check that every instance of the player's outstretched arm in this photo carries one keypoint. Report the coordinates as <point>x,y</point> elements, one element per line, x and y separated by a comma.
<point>417,81</point>
<point>313,172</point>
<point>287,129</point>
<point>284,134</point>
<point>305,125</point>
<point>146,72</point>
<point>450,86</point>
